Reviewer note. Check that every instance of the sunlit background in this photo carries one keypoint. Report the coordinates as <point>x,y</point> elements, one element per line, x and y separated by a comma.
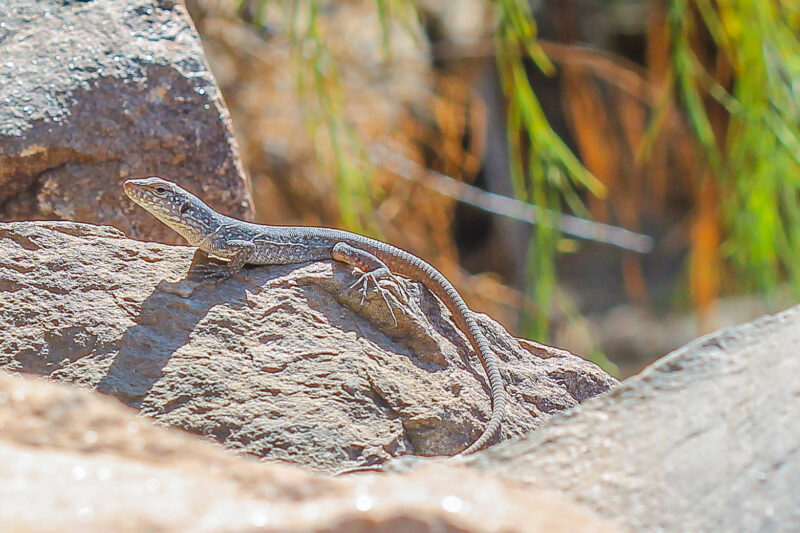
<point>416,122</point>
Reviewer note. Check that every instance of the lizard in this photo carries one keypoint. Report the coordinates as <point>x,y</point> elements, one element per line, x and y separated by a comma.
<point>243,243</point>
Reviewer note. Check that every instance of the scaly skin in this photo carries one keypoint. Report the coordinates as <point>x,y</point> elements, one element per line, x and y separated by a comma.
<point>245,243</point>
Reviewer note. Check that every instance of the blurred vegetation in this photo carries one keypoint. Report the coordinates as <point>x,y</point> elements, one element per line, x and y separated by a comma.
<point>735,69</point>
<point>317,83</point>
<point>544,171</point>
<point>710,115</point>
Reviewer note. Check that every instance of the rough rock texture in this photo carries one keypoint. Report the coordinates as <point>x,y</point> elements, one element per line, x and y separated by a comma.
<point>707,439</point>
<point>92,93</point>
<point>71,461</point>
<point>269,362</point>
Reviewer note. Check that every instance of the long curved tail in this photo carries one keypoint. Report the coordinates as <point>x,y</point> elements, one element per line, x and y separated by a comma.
<point>411,266</point>
<point>499,396</point>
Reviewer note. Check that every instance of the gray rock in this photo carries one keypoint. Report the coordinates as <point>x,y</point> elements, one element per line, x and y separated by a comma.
<point>92,93</point>
<point>707,439</point>
<point>278,361</point>
<point>72,461</point>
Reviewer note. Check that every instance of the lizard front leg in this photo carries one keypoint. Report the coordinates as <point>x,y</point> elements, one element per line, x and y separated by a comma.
<point>239,253</point>
<point>372,270</point>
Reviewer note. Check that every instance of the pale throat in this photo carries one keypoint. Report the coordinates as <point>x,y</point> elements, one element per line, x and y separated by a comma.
<point>195,224</point>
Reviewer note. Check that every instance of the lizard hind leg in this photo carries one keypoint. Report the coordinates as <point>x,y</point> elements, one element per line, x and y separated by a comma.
<point>373,270</point>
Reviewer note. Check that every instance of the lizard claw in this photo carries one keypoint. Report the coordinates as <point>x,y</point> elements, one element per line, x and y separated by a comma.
<point>211,272</point>
<point>396,287</point>
<point>375,276</point>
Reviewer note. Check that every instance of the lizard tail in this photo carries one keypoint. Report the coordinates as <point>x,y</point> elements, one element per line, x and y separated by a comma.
<point>499,398</point>
<point>413,267</point>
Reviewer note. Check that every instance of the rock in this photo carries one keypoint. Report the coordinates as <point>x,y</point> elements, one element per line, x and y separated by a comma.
<point>277,361</point>
<point>93,93</point>
<point>706,439</point>
<point>72,461</point>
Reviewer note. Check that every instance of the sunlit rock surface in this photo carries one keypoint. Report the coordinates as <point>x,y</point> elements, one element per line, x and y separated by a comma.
<point>706,439</point>
<point>278,361</point>
<point>92,93</point>
<point>72,461</point>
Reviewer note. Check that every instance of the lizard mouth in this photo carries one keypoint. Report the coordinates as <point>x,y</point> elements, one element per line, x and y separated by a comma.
<point>134,190</point>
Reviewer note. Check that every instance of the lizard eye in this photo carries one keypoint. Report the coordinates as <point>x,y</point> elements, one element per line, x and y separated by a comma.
<point>160,189</point>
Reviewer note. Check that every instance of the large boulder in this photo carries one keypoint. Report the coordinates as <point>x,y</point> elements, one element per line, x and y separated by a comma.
<point>95,92</point>
<point>71,461</point>
<point>707,439</point>
<point>278,361</point>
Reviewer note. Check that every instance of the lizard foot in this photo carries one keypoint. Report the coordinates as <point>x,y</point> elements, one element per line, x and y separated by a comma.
<point>376,277</point>
<point>211,271</point>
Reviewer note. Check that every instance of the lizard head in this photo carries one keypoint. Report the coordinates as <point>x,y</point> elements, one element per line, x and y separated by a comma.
<point>171,204</point>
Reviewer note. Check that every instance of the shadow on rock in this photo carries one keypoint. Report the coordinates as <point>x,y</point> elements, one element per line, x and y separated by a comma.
<point>166,320</point>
